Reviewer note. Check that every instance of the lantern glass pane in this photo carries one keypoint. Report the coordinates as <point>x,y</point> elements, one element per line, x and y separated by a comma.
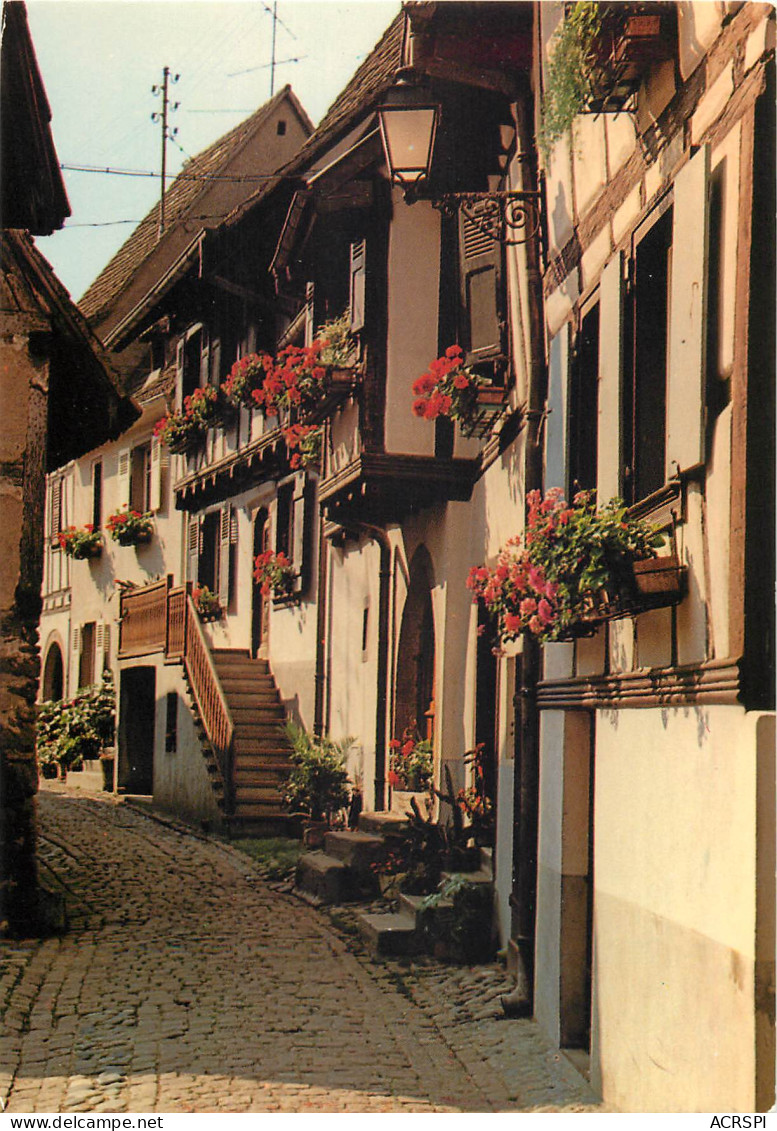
<point>409,135</point>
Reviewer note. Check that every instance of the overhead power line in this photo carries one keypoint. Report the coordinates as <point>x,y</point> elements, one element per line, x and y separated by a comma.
<point>237,178</point>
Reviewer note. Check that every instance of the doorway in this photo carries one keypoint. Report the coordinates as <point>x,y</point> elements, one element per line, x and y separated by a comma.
<point>53,674</point>
<point>414,703</point>
<point>260,604</point>
<point>486,696</point>
<point>137,717</point>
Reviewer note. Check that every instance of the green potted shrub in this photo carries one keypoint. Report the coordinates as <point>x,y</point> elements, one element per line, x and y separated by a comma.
<point>68,731</point>
<point>318,786</point>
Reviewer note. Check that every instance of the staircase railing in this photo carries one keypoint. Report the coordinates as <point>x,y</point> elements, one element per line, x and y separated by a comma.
<point>208,692</point>
<point>160,618</point>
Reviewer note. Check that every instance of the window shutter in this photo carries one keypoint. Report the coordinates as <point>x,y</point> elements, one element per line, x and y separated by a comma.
<point>204,357</point>
<point>688,316</point>
<point>303,522</point>
<point>160,459</point>
<point>124,476</point>
<point>225,555</point>
<point>55,508</point>
<point>215,362</point>
<point>310,320</point>
<point>193,549</point>
<point>480,263</point>
<point>99,649</point>
<point>179,355</point>
<point>105,660</point>
<point>76,662</point>
<point>358,284</point>
<point>610,383</point>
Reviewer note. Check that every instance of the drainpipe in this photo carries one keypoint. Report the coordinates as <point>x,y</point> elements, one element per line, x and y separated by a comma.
<point>377,534</point>
<point>321,613</point>
<point>526,789</point>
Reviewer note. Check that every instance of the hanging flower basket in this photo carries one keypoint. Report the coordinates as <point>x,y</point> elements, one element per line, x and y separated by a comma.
<point>658,575</point>
<point>130,527</point>
<point>80,544</point>
<point>576,567</point>
<point>275,574</point>
<point>186,430</point>
<point>206,603</point>
<point>450,388</point>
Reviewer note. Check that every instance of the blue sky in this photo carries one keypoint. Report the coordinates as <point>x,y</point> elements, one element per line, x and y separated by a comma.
<point>100,58</point>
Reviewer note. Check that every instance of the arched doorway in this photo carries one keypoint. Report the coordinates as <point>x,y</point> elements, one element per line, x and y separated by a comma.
<point>53,683</point>
<point>260,605</point>
<point>414,700</point>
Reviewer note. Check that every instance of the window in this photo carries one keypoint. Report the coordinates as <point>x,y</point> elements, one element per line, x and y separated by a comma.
<point>281,127</point>
<point>645,364</point>
<point>140,478</point>
<point>481,320</point>
<point>193,361</point>
<point>584,405</point>
<point>171,722</point>
<point>86,660</point>
<point>284,521</point>
<point>211,551</point>
<point>294,523</point>
<point>97,494</point>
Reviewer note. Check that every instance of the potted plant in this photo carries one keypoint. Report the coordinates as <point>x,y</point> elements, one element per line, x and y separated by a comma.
<point>575,566</point>
<point>80,543</point>
<point>303,442</point>
<point>274,573</point>
<point>450,388</point>
<point>130,527</point>
<point>206,603</point>
<point>317,787</point>
<point>71,730</point>
<point>246,376</point>
<point>338,347</point>
<point>411,765</point>
<point>185,430</point>
<point>568,76</point>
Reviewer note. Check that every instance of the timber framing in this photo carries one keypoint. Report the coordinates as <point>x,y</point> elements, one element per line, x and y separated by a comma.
<point>712,682</point>
<point>668,126</point>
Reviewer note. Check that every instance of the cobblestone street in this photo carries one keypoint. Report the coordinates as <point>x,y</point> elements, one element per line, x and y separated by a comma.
<point>187,984</point>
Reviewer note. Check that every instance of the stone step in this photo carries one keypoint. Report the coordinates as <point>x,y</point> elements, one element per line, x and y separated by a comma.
<point>470,877</point>
<point>412,904</point>
<point>358,850</point>
<point>249,772</point>
<point>260,810</point>
<point>389,934</point>
<point>322,876</point>
<point>382,824</point>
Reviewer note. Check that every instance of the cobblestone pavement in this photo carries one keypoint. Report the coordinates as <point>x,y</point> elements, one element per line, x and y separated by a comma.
<point>187,984</point>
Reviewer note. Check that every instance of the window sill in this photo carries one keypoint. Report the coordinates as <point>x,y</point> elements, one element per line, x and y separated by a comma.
<point>662,507</point>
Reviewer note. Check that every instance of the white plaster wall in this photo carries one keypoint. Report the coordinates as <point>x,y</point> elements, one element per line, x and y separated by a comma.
<point>181,781</point>
<point>413,273</point>
<point>698,25</point>
<point>352,672</point>
<point>503,877</point>
<point>675,873</point>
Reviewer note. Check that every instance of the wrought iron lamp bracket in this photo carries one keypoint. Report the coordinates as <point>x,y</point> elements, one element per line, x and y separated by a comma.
<point>511,218</point>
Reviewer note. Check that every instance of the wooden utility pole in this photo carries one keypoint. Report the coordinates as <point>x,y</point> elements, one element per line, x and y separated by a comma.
<point>161,116</point>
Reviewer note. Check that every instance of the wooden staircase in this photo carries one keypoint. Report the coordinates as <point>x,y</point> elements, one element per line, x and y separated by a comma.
<point>260,750</point>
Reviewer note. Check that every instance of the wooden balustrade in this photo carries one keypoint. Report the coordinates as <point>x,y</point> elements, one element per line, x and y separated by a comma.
<point>143,624</point>
<point>159,618</point>
<point>207,691</point>
<point>176,623</point>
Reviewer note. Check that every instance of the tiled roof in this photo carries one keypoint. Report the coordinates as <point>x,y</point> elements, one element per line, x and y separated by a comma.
<point>180,206</point>
<point>373,77</point>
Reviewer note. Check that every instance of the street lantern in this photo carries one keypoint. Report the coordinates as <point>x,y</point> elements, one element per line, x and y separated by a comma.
<point>408,120</point>
<point>408,125</point>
